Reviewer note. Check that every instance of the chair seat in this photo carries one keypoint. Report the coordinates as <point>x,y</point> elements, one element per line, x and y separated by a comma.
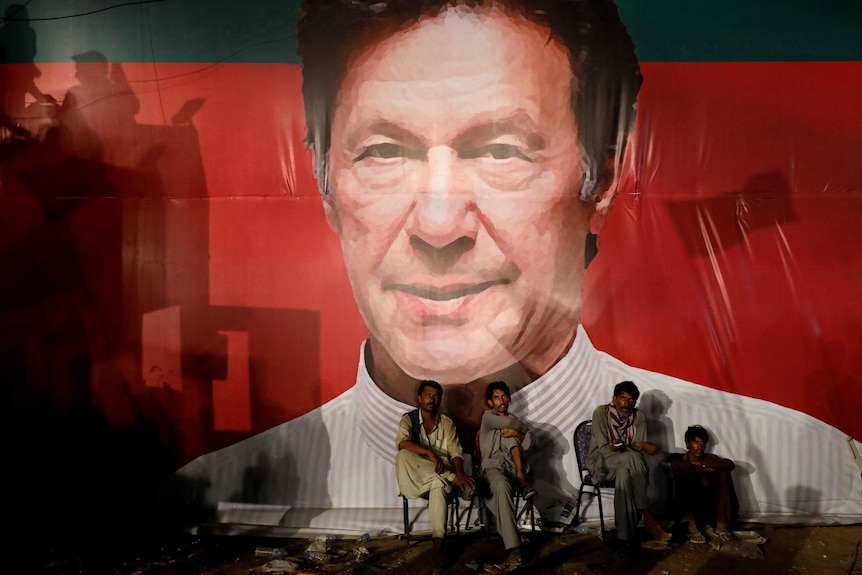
<point>588,479</point>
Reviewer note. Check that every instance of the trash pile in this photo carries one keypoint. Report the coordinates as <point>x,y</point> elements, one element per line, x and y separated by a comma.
<point>320,555</point>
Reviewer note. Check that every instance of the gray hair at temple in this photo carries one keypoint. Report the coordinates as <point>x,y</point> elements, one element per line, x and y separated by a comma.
<point>602,56</point>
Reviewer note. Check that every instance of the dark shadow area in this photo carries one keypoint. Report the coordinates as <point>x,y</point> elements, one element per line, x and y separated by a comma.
<point>102,221</point>
<point>660,430</point>
<point>18,46</point>
<point>710,225</point>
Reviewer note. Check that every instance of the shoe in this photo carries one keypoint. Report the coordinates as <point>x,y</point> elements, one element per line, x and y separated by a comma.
<point>513,562</point>
<point>529,493</point>
<point>467,492</point>
<point>696,537</point>
<point>515,559</point>
<point>726,536</point>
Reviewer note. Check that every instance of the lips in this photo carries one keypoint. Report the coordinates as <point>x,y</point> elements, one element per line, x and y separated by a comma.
<point>444,305</point>
<point>447,293</point>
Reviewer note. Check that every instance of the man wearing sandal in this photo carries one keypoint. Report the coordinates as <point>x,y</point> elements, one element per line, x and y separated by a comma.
<point>617,446</point>
<point>503,441</point>
<point>429,460</point>
<point>704,493</point>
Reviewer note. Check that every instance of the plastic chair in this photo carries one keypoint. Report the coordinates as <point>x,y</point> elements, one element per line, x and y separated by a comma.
<point>583,434</point>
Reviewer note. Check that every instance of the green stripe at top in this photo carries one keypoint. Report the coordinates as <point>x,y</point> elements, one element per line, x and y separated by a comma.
<point>261,31</point>
<point>745,30</point>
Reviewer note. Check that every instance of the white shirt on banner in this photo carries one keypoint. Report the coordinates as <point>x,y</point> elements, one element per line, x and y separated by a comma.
<point>334,467</point>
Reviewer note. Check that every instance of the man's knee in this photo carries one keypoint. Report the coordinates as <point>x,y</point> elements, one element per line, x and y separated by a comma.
<point>510,443</point>
<point>626,478</point>
<point>405,455</point>
<point>632,462</point>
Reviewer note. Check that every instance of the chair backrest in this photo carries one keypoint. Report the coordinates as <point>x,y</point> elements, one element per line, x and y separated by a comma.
<point>583,434</point>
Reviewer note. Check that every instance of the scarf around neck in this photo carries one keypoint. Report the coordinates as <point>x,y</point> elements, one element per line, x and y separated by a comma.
<point>621,428</point>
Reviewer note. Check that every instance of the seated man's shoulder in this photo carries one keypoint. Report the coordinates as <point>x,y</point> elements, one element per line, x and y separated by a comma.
<point>711,457</point>
<point>600,411</point>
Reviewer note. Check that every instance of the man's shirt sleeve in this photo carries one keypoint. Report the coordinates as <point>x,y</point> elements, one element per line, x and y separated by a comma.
<point>453,446</point>
<point>404,430</point>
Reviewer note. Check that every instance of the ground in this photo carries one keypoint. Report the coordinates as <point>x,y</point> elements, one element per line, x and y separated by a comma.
<point>787,549</point>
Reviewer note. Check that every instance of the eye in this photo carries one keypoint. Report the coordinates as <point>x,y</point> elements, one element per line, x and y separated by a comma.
<point>496,151</point>
<point>387,151</point>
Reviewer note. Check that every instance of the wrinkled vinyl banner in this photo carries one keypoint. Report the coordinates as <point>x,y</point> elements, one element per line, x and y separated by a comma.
<point>236,235</point>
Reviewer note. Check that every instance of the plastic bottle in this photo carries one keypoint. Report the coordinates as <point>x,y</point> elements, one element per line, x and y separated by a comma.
<point>315,555</point>
<point>270,552</point>
<point>365,537</point>
<point>582,529</point>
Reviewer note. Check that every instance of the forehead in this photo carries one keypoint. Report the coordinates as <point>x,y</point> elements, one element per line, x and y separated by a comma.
<point>624,395</point>
<point>429,390</point>
<point>440,65</point>
<point>499,393</point>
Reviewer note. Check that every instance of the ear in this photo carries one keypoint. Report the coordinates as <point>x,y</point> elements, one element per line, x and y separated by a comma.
<point>330,210</point>
<point>606,191</point>
<point>489,402</point>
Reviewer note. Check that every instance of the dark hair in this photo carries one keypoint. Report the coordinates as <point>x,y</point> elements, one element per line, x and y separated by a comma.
<point>495,385</point>
<point>429,383</point>
<point>697,431</point>
<point>627,387</point>
<point>601,53</point>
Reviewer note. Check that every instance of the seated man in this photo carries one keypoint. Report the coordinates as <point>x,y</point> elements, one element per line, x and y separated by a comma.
<point>429,459</point>
<point>704,494</point>
<point>617,446</point>
<point>503,439</point>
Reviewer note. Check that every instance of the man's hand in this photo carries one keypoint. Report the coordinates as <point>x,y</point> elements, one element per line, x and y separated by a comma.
<point>462,480</point>
<point>435,459</point>
<point>512,433</point>
<point>649,448</point>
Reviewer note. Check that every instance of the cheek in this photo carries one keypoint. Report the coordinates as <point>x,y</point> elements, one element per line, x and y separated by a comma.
<point>370,222</point>
<point>547,243</point>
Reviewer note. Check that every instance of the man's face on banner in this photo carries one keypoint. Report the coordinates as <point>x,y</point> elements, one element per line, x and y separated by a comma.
<point>456,171</point>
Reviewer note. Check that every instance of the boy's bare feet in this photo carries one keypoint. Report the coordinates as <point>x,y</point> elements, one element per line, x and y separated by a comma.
<point>654,529</point>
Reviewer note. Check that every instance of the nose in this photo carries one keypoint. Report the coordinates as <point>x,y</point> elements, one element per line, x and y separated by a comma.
<point>444,222</point>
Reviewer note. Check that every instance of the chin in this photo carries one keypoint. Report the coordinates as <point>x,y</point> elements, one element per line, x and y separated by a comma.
<point>451,370</point>
<point>449,360</point>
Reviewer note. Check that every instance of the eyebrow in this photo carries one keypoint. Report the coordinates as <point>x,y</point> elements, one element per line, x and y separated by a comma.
<point>518,123</point>
<point>387,129</point>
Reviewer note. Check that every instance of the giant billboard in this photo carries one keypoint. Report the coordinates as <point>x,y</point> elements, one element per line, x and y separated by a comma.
<point>235,238</point>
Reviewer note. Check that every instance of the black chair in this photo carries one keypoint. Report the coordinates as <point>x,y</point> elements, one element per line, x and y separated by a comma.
<point>583,434</point>
<point>452,523</point>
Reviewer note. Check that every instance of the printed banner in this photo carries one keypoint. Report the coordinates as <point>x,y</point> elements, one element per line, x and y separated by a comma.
<point>235,239</point>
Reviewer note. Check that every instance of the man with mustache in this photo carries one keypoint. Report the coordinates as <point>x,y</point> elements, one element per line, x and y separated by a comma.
<point>504,441</point>
<point>617,445</point>
<point>429,461</point>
